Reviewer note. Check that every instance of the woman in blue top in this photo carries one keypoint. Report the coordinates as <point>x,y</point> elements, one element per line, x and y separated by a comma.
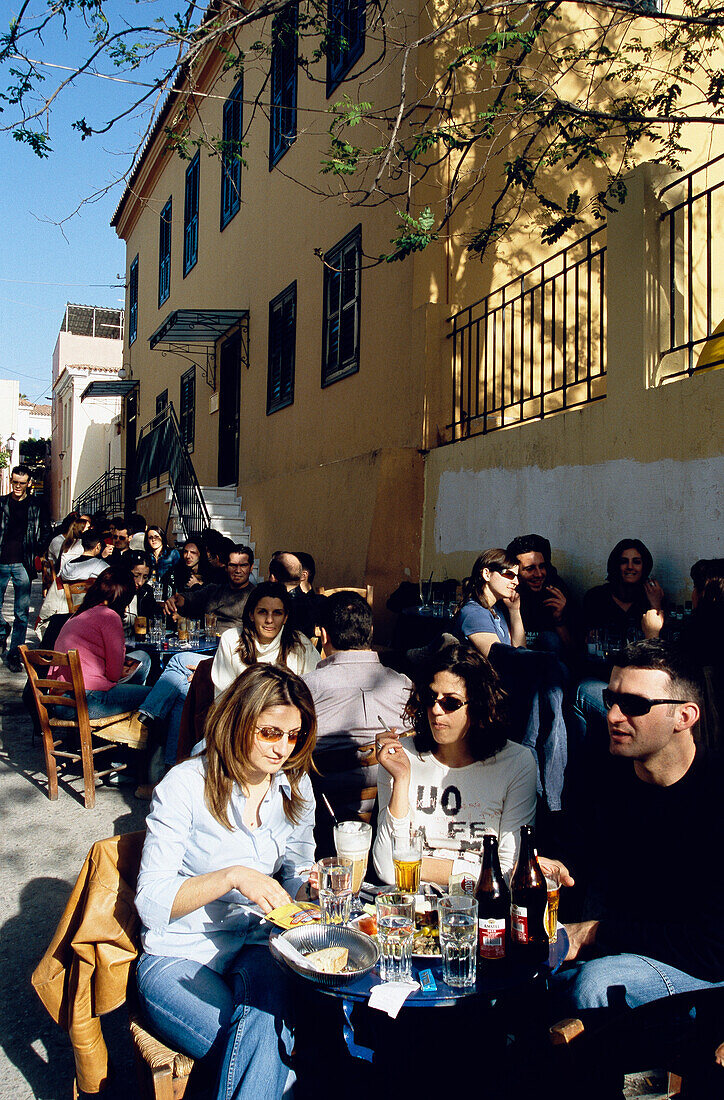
<point>491,611</point>
<point>163,556</point>
<point>229,838</point>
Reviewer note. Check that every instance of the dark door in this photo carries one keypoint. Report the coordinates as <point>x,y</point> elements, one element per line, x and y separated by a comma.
<point>229,411</point>
<point>131,414</point>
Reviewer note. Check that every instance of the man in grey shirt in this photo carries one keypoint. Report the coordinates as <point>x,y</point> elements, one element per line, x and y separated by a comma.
<point>352,691</point>
<point>227,600</point>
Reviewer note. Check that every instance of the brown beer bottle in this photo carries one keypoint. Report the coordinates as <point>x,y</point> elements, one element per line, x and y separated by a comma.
<point>529,897</point>
<point>493,899</point>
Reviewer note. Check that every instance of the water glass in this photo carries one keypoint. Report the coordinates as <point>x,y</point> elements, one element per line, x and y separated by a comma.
<point>458,918</point>
<point>395,930</point>
<point>335,889</point>
<point>210,625</point>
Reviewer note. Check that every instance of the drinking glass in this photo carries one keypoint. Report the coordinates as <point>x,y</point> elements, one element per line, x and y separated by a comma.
<point>335,889</point>
<point>395,929</point>
<point>407,860</point>
<point>353,839</point>
<point>553,883</point>
<point>210,625</point>
<point>458,917</point>
<point>182,629</point>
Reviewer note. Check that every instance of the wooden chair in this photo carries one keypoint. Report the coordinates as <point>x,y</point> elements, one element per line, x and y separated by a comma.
<point>367,592</point>
<point>75,592</point>
<point>69,734</point>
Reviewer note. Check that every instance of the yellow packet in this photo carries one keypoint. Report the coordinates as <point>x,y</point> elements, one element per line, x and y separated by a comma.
<point>294,913</point>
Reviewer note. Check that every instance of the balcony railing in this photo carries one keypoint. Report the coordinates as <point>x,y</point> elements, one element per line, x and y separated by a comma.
<point>106,494</point>
<point>535,346</point>
<point>692,301</point>
<point>160,453</point>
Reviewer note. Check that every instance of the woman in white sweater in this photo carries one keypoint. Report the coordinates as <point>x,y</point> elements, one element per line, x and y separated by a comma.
<point>459,777</point>
<point>264,637</point>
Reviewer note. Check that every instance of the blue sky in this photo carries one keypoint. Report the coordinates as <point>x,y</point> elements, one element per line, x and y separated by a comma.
<point>41,265</point>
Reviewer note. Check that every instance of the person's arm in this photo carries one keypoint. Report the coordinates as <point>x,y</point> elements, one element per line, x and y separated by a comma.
<point>476,626</point>
<point>517,630</point>
<point>298,858</point>
<point>227,663</point>
<point>654,594</point>
<point>483,642</point>
<point>387,823</point>
<point>114,644</point>
<point>556,602</point>
<point>652,623</point>
<point>519,804</point>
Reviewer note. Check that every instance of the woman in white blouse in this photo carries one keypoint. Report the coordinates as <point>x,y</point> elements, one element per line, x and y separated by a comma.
<point>229,838</point>
<point>265,636</point>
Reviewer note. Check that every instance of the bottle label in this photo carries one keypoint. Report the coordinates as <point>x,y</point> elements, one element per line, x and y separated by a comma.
<point>491,938</point>
<point>519,923</point>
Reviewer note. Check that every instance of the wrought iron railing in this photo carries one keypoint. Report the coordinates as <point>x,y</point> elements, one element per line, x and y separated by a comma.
<point>161,452</point>
<point>692,301</point>
<point>106,494</point>
<point>535,346</point>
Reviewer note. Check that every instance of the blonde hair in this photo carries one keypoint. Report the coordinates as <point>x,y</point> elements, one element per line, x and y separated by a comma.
<point>231,729</point>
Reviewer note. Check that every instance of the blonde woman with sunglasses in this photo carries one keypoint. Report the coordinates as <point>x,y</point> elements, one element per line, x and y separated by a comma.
<point>229,838</point>
<point>490,613</point>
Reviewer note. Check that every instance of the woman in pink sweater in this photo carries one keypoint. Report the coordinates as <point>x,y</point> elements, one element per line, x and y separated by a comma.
<point>96,632</point>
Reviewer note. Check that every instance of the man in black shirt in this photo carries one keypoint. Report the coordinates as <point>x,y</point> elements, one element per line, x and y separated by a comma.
<point>24,532</point>
<point>650,835</point>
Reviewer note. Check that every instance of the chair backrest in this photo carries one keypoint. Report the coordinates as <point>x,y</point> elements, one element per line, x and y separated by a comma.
<point>75,592</point>
<point>49,695</point>
<point>367,592</point>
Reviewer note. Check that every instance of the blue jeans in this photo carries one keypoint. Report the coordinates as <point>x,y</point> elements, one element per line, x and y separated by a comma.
<point>589,711</point>
<point>617,982</point>
<point>165,700</point>
<point>239,1021</point>
<point>18,574</point>
<point>122,697</point>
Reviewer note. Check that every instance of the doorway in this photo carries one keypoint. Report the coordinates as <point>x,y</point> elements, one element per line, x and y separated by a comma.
<point>229,410</point>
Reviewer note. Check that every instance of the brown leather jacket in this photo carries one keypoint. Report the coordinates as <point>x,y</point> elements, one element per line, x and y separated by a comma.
<point>85,971</point>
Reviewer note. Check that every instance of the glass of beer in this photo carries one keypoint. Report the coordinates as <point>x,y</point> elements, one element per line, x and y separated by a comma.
<point>353,839</point>
<point>335,889</point>
<point>407,859</point>
<point>395,930</point>
<point>553,883</point>
<point>182,628</point>
<point>458,918</point>
<point>210,625</point>
<point>140,626</point>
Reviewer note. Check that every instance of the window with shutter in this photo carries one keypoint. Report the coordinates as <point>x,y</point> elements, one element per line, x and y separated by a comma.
<point>282,347</point>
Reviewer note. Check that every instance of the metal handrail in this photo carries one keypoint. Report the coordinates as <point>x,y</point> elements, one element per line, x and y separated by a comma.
<point>104,495</point>
<point>161,450</point>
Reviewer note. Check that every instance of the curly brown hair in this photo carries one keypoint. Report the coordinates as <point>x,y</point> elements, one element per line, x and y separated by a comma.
<point>485,698</point>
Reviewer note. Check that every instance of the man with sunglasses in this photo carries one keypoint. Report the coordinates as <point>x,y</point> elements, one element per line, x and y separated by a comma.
<point>651,836</point>
<point>24,533</point>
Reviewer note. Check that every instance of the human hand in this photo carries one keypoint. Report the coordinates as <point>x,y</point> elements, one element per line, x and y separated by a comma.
<point>719,1054</point>
<point>392,756</point>
<point>655,593</point>
<point>513,602</point>
<point>193,579</point>
<point>556,602</point>
<point>580,936</point>
<point>263,890</point>
<point>107,551</point>
<point>652,622</point>
<point>547,866</point>
<point>172,604</point>
<point>309,890</point>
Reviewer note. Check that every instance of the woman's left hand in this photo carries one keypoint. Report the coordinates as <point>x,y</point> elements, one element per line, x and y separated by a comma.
<point>654,593</point>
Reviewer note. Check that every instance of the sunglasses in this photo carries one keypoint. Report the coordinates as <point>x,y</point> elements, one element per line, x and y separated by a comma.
<point>271,734</point>
<point>633,705</point>
<point>509,574</point>
<point>448,703</point>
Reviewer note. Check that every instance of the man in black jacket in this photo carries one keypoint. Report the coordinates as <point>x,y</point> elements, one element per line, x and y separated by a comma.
<point>24,533</point>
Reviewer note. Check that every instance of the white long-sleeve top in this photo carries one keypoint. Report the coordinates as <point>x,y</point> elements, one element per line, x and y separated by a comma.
<point>183,839</point>
<point>455,807</point>
<point>228,664</point>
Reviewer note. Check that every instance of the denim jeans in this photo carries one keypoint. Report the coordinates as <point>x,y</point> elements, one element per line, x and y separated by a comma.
<point>617,982</point>
<point>238,1020</point>
<point>18,574</point>
<point>589,711</point>
<point>165,700</point>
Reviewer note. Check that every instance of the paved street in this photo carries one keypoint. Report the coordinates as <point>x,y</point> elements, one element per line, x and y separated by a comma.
<point>42,847</point>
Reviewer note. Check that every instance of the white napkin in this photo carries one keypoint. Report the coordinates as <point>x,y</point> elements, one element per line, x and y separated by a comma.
<point>389,997</point>
<point>287,949</point>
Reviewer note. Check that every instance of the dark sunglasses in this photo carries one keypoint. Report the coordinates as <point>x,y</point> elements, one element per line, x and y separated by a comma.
<point>448,703</point>
<point>271,734</point>
<point>633,705</point>
<point>509,574</point>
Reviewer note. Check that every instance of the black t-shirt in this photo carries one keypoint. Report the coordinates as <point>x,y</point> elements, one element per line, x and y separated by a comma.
<point>17,525</point>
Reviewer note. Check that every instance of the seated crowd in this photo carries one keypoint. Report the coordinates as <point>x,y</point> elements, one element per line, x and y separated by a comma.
<point>586,719</point>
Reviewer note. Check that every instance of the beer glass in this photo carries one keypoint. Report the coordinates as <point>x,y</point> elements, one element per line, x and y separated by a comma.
<point>182,628</point>
<point>335,889</point>
<point>140,626</point>
<point>553,885</point>
<point>395,930</point>
<point>407,860</point>
<point>353,840</point>
<point>210,625</point>
<point>458,917</point>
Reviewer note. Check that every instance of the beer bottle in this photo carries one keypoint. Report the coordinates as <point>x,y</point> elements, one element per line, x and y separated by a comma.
<point>529,897</point>
<point>493,899</point>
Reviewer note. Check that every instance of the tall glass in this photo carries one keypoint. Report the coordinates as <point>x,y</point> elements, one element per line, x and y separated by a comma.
<point>395,930</point>
<point>553,885</point>
<point>354,839</point>
<point>458,917</point>
<point>335,889</point>
<point>407,860</point>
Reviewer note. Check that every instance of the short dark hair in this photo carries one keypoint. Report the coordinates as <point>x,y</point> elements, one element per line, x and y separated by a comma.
<point>529,544</point>
<point>486,700</point>
<point>347,618</point>
<point>115,586</point>
<point>657,655</point>
<point>614,559</point>
<point>238,548</point>
<point>118,521</point>
<point>137,557</point>
<point>308,563</point>
<point>23,470</point>
<point>90,538</point>
<point>279,571</point>
<point>136,523</point>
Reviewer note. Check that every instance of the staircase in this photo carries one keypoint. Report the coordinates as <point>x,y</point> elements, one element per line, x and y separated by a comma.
<point>225,515</point>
